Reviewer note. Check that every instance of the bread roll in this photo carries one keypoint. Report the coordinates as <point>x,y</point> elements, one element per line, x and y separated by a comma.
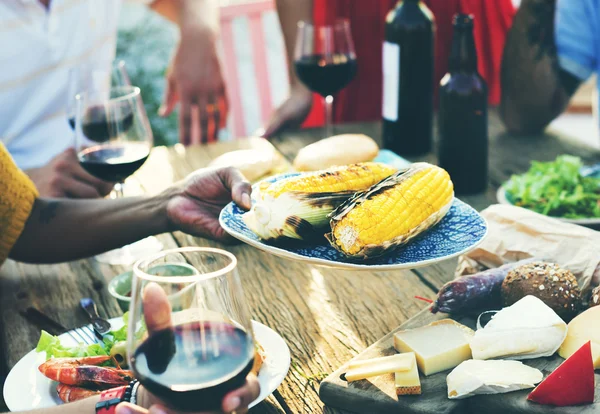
<point>337,150</point>
<point>253,163</point>
<point>555,286</point>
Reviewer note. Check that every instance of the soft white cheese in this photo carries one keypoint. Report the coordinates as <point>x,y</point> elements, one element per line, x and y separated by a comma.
<point>528,329</point>
<point>474,377</point>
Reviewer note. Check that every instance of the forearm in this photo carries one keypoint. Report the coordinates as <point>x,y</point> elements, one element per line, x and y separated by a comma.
<point>290,13</point>
<point>60,230</point>
<point>534,88</point>
<point>190,14</point>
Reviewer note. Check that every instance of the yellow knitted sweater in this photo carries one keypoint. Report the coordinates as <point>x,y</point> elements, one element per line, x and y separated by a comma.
<point>17,195</point>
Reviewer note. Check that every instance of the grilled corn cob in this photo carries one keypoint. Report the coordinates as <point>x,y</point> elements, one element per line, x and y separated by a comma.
<point>298,207</point>
<point>391,212</point>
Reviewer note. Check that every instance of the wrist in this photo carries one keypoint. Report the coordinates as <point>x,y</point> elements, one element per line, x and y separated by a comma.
<point>163,199</point>
<point>199,18</point>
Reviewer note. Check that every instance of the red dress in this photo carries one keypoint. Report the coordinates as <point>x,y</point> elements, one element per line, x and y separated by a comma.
<point>361,100</point>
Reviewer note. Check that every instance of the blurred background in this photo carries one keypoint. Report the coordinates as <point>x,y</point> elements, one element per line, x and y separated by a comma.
<point>147,58</point>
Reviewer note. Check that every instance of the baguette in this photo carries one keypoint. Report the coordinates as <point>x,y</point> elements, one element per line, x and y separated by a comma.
<point>337,150</point>
<point>253,163</point>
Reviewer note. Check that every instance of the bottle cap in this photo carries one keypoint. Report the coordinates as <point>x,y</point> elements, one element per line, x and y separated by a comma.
<point>462,20</point>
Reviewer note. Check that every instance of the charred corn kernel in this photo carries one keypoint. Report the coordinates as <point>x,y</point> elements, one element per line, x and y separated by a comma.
<point>298,207</point>
<point>353,177</point>
<point>392,212</point>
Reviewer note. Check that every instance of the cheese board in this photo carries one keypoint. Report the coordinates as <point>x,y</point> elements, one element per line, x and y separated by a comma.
<point>378,394</point>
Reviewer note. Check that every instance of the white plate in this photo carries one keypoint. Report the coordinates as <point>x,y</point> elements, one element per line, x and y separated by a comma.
<point>27,389</point>
<point>587,222</point>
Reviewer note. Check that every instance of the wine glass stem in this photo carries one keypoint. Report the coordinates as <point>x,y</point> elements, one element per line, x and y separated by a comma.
<point>118,190</point>
<point>329,116</point>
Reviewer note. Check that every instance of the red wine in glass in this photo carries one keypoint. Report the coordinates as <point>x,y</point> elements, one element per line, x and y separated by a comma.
<point>326,75</point>
<point>98,126</point>
<point>114,162</point>
<point>189,378</point>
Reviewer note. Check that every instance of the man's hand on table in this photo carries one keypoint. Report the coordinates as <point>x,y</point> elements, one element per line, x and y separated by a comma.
<point>63,176</point>
<point>157,315</point>
<point>291,113</point>
<point>194,79</point>
<point>194,205</point>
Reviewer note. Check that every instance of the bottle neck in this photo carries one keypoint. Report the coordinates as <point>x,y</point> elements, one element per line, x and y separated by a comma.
<point>463,55</point>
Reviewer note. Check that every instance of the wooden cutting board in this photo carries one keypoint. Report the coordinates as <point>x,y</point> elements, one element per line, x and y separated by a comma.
<point>378,395</point>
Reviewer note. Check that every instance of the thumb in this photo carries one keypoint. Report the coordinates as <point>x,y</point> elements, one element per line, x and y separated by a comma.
<point>170,99</point>
<point>240,188</point>
<point>128,408</point>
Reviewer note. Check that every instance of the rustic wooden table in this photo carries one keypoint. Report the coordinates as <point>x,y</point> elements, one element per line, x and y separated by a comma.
<point>326,316</point>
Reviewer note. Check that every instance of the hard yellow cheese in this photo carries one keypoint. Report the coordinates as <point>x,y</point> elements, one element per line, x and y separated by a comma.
<point>408,382</point>
<point>585,327</point>
<point>379,366</point>
<point>438,346</point>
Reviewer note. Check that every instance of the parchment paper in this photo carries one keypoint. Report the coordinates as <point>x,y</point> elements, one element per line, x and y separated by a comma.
<point>515,233</point>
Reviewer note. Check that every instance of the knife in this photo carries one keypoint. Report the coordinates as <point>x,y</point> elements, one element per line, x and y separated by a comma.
<point>101,326</point>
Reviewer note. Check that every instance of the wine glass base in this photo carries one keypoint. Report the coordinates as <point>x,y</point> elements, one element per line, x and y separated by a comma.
<point>131,253</point>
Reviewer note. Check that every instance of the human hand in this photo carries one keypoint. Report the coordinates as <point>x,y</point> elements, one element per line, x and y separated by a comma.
<point>194,79</point>
<point>291,113</point>
<point>197,202</point>
<point>63,176</point>
<point>157,315</point>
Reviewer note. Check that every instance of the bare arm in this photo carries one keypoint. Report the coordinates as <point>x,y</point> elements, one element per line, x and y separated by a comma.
<point>290,13</point>
<point>535,89</point>
<point>59,230</point>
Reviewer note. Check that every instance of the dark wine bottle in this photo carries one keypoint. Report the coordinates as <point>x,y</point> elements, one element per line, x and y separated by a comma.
<point>408,56</point>
<point>463,117</point>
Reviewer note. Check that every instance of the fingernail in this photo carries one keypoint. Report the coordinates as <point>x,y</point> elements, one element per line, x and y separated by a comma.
<point>246,200</point>
<point>161,110</point>
<point>232,404</point>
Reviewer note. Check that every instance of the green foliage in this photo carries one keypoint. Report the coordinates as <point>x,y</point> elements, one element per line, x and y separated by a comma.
<point>556,189</point>
<point>146,48</point>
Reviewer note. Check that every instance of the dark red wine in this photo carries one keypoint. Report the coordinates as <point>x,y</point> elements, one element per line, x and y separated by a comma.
<point>100,125</point>
<point>190,373</point>
<point>114,162</point>
<point>326,76</point>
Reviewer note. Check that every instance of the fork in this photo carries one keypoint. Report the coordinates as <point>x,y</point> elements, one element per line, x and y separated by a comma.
<point>85,335</point>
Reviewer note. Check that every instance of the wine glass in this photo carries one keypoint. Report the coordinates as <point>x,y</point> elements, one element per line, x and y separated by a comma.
<point>84,77</point>
<point>206,348</point>
<point>325,60</point>
<point>113,139</point>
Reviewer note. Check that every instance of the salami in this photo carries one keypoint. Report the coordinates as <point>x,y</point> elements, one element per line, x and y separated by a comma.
<point>474,292</point>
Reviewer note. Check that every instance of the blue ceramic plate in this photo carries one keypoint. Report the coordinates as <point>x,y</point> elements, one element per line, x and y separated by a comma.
<point>461,230</point>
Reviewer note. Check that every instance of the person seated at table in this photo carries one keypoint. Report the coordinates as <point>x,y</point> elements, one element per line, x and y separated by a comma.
<point>44,230</point>
<point>552,48</point>
<point>361,99</point>
<point>42,40</point>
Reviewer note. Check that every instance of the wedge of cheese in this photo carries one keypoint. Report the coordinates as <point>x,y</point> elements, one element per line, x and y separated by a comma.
<point>584,328</point>
<point>439,346</point>
<point>408,382</point>
<point>379,366</point>
<point>490,377</point>
<point>527,329</point>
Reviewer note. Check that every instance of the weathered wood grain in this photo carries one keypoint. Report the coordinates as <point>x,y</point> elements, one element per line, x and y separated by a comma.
<point>325,316</point>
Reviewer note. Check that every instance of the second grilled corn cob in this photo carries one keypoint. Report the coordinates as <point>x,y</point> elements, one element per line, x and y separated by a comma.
<point>391,212</point>
<point>298,207</point>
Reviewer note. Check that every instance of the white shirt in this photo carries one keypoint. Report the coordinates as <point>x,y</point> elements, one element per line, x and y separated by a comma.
<point>38,47</point>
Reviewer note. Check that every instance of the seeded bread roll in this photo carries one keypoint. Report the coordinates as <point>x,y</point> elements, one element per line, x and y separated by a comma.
<point>555,286</point>
<point>595,299</point>
<point>337,150</point>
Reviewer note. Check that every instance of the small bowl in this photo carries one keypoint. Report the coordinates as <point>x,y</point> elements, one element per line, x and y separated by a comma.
<point>120,286</point>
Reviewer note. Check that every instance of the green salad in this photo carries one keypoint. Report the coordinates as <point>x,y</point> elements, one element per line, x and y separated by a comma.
<point>53,348</point>
<point>556,189</point>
